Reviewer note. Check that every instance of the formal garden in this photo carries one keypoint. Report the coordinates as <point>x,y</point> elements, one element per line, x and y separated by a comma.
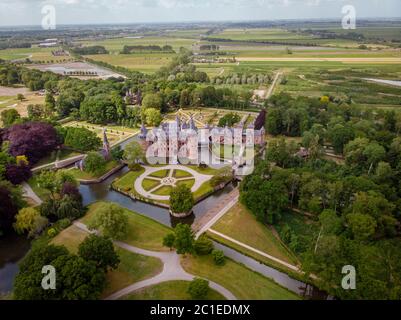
<point>155,183</point>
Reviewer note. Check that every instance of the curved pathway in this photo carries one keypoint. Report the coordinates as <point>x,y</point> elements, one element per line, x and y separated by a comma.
<point>199,180</point>
<point>172,270</point>
<point>271,89</point>
<point>28,192</point>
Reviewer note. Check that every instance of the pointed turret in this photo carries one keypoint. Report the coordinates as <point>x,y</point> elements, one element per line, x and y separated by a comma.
<point>106,145</point>
<point>192,125</point>
<point>144,131</point>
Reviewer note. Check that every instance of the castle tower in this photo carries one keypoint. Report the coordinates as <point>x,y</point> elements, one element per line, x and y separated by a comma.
<point>144,132</point>
<point>106,145</point>
<point>192,125</point>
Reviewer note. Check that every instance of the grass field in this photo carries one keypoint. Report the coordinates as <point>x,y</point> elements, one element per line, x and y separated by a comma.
<point>144,232</point>
<point>149,184</point>
<point>126,182</point>
<point>160,174</point>
<point>41,193</point>
<point>83,175</point>
<point>181,174</point>
<point>189,183</point>
<point>115,45</point>
<point>242,282</point>
<point>34,54</point>
<point>172,290</point>
<point>163,191</point>
<point>144,62</point>
<point>132,268</point>
<point>241,225</point>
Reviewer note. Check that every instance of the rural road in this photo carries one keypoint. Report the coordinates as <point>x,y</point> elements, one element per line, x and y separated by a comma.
<point>172,270</point>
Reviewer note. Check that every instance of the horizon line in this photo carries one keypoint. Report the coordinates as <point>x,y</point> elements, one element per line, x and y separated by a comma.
<point>197,21</point>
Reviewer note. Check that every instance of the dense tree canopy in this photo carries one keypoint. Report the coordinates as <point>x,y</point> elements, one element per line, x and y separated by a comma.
<point>99,250</point>
<point>81,139</point>
<point>77,278</point>
<point>181,199</point>
<point>10,202</point>
<point>111,220</point>
<point>35,140</point>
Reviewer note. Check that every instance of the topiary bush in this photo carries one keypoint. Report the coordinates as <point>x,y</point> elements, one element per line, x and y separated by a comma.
<point>218,257</point>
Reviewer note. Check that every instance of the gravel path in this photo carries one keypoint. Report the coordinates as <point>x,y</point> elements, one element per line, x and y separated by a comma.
<point>172,270</point>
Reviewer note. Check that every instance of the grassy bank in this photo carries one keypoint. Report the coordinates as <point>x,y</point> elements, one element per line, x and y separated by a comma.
<point>172,290</point>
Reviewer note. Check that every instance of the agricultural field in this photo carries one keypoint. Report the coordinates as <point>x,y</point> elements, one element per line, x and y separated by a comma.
<point>35,54</point>
<point>115,45</point>
<point>146,62</point>
<point>142,62</point>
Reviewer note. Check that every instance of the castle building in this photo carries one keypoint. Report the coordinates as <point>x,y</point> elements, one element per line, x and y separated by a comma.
<point>183,139</point>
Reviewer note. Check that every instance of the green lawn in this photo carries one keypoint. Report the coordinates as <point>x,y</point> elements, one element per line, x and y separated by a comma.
<point>143,232</point>
<point>149,184</point>
<point>160,174</point>
<point>132,268</point>
<point>241,225</point>
<point>171,290</point>
<point>82,175</point>
<point>71,238</point>
<point>189,183</point>
<point>163,191</point>
<point>206,171</point>
<point>204,189</point>
<point>126,182</point>
<point>40,192</point>
<point>181,174</point>
<point>242,282</point>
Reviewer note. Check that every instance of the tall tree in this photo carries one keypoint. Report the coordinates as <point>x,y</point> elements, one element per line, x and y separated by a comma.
<point>111,220</point>
<point>100,250</point>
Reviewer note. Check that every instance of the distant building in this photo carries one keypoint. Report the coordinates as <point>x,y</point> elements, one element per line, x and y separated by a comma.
<point>60,53</point>
<point>48,44</point>
<point>133,98</point>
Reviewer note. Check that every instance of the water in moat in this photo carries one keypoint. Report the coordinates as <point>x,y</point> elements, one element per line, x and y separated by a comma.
<point>12,249</point>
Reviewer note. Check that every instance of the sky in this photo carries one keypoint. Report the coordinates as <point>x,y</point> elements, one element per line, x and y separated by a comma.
<point>29,12</point>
